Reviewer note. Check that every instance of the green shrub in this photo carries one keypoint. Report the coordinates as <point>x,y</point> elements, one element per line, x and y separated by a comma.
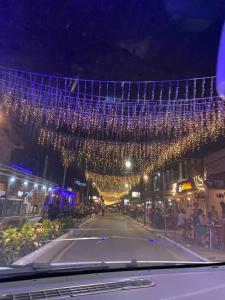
<point>68,223</point>
<point>18,242</point>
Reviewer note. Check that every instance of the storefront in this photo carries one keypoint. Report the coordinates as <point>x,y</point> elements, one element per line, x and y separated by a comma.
<point>185,193</point>
<point>21,193</point>
<point>215,179</point>
<point>215,197</point>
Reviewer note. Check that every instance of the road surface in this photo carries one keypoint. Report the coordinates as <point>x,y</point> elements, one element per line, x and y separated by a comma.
<point>113,237</point>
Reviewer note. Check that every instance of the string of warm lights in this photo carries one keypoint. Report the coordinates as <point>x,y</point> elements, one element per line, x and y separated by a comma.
<point>106,182</point>
<point>113,187</point>
<point>213,132</point>
<point>161,123</point>
<point>105,122</point>
<point>110,155</point>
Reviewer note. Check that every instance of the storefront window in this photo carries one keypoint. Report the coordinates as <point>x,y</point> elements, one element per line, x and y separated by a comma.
<point>12,208</point>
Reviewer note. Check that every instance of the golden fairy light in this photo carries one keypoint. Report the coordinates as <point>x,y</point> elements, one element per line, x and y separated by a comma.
<point>103,123</point>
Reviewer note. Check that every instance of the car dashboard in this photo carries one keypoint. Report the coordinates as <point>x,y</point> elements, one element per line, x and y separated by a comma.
<point>172,283</point>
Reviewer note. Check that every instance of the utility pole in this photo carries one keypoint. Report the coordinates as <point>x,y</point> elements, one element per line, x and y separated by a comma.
<point>64,176</point>
<point>142,198</point>
<point>180,170</point>
<point>4,207</point>
<point>186,169</point>
<point>45,166</point>
<point>164,200</point>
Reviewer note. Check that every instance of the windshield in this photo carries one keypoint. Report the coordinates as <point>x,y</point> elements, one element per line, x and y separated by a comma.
<point>112,133</point>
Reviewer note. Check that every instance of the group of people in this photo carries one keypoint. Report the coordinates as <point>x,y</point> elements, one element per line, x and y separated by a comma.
<point>157,216</point>
<point>56,211</point>
<point>199,221</point>
<point>192,221</point>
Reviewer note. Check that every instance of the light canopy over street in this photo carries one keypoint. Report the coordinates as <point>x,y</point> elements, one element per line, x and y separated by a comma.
<point>112,131</point>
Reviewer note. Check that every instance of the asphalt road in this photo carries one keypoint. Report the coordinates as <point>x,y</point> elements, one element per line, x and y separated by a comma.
<point>115,237</point>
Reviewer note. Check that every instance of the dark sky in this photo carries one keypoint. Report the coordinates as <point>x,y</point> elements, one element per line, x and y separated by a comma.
<point>112,39</point>
<point>109,39</point>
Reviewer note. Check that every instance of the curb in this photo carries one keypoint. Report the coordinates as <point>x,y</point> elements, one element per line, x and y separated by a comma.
<point>179,246</point>
<point>184,249</point>
<point>31,257</point>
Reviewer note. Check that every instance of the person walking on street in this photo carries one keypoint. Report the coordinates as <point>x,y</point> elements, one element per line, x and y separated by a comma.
<point>202,238</point>
<point>103,208</point>
<point>214,217</point>
<point>181,222</point>
<point>195,217</point>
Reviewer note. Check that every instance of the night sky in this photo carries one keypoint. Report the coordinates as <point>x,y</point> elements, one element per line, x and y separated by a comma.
<point>110,39</point>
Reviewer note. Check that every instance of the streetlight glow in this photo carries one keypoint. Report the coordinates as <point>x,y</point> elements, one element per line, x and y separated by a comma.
<point>128,164</point>
<point>12,179</point>
<point>44,187</point>
<point>25,183</point>
<point>145,177</point>
<point>35,185</point>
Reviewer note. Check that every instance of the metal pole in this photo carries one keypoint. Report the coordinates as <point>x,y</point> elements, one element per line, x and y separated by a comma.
<point>210,236</point>
<point>87,195</point>
<point>142,198</point>
<point>186,169</point>
<point>6,199</point>
<point>172,175</point>
<point>45,166</point>
<point>145,213</point>
<point>88,189</point>
<point>64,176</point>
<point>180,170</point>
<point>164,201</point>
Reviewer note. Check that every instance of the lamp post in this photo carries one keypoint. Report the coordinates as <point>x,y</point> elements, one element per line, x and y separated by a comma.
<point>144,181</point>
<point>64,176</point>
<point>164,200</point>
<point>128,164</point>
<point>6,196</point>
<point>142,200</point>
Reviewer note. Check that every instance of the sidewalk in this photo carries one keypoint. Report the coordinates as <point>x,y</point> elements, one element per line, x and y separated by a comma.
<point>215,255</point>
<point>212,255</point>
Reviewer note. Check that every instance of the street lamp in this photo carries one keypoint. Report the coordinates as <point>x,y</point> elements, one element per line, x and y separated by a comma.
<point>44,187</point>
<point>49,189</point>
<point>128,164</point>
<point>35,185</point>
<point>12,179</point>
<point>126,185</point>
<point>145,178</point>
<point>25,183</point>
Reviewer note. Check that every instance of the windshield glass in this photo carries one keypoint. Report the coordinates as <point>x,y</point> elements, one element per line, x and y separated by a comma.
<point>112,133</point>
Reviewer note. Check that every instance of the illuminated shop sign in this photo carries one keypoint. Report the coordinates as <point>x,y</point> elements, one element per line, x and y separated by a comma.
<point>199,183</point>
<point>135,194</point>
<point>185,186</point>
<point>220,195</point>
<point>174,189</point>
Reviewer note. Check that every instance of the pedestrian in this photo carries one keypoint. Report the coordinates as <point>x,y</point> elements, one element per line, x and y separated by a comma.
<point>181,222</point>
<point>103,208</point>
<point>158,218</point>
<point>201,228</point>
<point>195,212</point>
<point>195,217</point>
<point>51,212</point>
<point>214,217</point>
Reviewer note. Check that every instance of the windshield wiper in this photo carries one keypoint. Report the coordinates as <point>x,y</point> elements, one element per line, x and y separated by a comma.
<point>41,270</point>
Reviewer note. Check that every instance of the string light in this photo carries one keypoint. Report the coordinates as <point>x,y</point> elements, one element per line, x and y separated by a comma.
<point>102,123</point>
